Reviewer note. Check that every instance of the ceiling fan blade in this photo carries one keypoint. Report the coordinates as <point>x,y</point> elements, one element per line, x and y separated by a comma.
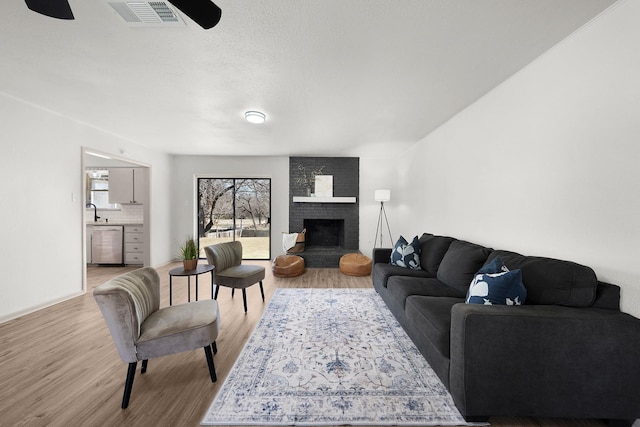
<point>54,8</point>
<point>203,12</point>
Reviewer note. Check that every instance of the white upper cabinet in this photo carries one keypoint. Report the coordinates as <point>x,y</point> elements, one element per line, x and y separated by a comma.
<point>127,185</point>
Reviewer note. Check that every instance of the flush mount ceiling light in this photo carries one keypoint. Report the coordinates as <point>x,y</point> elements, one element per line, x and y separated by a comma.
<point>255,117</point>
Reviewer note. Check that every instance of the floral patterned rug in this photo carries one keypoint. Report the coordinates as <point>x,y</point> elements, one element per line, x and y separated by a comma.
<point>331,357</point>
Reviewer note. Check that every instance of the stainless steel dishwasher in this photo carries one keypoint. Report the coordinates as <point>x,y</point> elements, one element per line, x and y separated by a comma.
<point>106,244</point>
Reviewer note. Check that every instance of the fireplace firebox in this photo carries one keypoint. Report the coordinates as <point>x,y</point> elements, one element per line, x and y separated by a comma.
<point>324,232</point>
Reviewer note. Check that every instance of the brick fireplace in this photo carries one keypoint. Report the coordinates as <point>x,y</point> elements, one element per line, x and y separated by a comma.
<point>332,224</point>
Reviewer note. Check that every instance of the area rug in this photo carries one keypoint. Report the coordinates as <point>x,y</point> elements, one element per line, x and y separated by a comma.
<point>331,357</point>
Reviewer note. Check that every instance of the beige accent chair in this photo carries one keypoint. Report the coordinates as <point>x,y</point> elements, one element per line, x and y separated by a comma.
<point>141,330</point>
<point>229,271</point>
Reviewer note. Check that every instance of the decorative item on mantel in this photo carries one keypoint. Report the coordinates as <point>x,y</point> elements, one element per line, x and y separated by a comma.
<point>324,185</point>
<point>307,181</point>
<point>189,254</point>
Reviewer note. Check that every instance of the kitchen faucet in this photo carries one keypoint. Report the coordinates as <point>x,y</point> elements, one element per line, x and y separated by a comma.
<point>95,211</point>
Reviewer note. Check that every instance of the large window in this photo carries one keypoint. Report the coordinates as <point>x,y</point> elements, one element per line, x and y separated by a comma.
<point>235,209</point>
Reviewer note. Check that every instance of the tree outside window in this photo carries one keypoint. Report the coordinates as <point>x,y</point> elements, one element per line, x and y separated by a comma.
<point>235,209</point>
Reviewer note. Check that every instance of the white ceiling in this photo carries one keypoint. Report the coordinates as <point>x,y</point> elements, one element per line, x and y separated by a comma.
<point>334,77</point>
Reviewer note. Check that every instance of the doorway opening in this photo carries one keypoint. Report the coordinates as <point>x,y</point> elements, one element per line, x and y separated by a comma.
<point>125,214</point>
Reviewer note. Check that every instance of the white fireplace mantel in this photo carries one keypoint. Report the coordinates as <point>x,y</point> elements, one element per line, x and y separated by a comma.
<point>324,199</point>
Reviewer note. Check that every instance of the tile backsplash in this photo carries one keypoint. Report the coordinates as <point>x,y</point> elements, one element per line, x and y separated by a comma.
<point>127,214</point>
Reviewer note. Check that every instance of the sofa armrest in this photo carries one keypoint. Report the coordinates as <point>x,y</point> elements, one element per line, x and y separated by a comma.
<point>381,255</point>
<point>607,296</point>
<point>547,361</point>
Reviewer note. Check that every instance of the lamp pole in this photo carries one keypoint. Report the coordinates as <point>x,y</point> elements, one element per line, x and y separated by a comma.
<point>382,196</point>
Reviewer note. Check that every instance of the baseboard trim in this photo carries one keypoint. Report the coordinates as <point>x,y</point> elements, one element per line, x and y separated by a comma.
<point>16,314</point>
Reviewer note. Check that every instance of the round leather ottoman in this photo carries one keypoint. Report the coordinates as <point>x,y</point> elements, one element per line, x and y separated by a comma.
<point>355,265</point>
<point>288,266</point>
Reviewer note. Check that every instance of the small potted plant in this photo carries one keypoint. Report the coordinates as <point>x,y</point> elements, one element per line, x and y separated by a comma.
<point>189,254</point>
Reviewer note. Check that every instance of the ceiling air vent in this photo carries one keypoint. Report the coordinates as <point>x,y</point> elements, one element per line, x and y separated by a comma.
<point>147,13</point>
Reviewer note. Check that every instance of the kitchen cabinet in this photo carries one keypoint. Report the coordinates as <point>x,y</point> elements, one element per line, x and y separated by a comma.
<point>127,185</point>
<point>133,245</point>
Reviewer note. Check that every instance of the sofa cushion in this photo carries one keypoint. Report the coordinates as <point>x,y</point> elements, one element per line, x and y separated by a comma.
<point>406,254</point>
<point>432,250</point>
<point>553,281</point>
<point>460,264</point>
<point>432,317</point>
<point>425,236</point>
<point>381,273</point>
<point>402,287</point>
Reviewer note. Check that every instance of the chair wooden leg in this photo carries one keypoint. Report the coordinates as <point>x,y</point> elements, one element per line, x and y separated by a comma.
<point>217,289</point>
<point>144,366</point>
<point>244,299</point>
<point>212,368</point>
<point>128,385</point>
<point>233,292</point>
<point>214,346</point>
<point>262,290</point>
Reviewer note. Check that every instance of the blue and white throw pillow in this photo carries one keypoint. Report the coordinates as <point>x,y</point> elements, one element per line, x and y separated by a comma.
<point>495,284</point>
<point>406,255</point>
<point>495,266</point>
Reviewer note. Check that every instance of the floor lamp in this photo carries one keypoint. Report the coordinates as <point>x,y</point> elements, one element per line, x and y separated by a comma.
<point>382,196</point>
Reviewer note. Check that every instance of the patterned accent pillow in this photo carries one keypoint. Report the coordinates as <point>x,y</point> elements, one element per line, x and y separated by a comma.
<point>406,255</point>
<point>495,266</point>
<point>495,284</point>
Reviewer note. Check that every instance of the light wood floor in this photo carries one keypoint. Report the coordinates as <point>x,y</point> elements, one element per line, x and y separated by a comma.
<point>59,367</point>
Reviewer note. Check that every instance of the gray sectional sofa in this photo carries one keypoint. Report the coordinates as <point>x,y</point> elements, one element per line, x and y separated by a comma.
<point>567,352</point>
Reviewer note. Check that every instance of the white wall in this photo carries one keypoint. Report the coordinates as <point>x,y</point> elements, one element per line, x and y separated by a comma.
<point>187,168</point>
<point>549,162</point>
<point>41,195</point>
<point>375,173</point>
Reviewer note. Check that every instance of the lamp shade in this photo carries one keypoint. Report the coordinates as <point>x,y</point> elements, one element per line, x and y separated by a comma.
<point>382,195</point>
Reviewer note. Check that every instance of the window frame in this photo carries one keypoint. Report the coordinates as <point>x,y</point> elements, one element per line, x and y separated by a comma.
<point>200,225</point>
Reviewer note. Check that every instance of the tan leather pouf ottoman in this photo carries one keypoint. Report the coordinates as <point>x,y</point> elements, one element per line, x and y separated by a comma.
<point>288,266</point>
<point>355,265</point>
